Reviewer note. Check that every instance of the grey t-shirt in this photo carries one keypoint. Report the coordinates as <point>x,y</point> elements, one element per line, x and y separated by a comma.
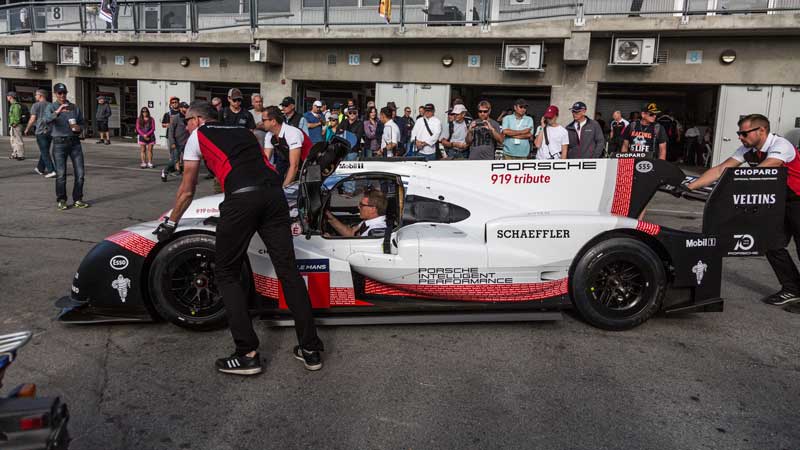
<point>39,109</point>
<point>260,134</point>
<point>483,143</point>
<point>103,112</point>
<point>459,132</point>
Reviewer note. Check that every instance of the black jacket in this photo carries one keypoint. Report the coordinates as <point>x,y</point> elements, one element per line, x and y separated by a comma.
<point>591,143</point>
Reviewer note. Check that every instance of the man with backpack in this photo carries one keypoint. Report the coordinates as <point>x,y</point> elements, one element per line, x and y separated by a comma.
<point>454,137</point>
<point>646,137</point>
<point>290,144</point>
<point>673,132</point>
<point>17,115</point>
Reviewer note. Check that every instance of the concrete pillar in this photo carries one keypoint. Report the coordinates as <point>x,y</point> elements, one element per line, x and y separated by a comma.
<point>274,87</point>
<point>573,88</point>
<point>66,75</point>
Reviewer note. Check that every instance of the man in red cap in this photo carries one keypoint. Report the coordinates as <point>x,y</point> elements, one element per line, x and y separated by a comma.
<point>552,139</point>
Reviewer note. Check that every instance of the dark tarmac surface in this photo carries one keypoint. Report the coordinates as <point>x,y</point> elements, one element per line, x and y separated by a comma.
<point>702,381</point>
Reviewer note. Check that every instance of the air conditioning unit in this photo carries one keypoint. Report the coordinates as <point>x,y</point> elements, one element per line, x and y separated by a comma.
<point>523,57</point>
<point>256,54</point>
<point>73,55</point>
<point>634,51</point>
<point>17,59</point>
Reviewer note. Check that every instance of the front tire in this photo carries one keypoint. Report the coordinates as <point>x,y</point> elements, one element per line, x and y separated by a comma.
<point>182,283</point>
<point>618,284</point>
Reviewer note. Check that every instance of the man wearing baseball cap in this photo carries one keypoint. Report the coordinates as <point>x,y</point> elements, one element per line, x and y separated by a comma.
<point>454,136</point>
<point>551,139</point>
<point>15,124</point>
<point>314,122</point>
<point>236,116</point>
<point>290,115</point>
<point>586,138</point>
<point>517,129</point>
<point>426,133</point>
<point>645,137</point>
<point>65,121</point>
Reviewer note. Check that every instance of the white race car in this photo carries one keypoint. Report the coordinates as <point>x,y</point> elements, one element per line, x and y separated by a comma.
<point>469,241</point>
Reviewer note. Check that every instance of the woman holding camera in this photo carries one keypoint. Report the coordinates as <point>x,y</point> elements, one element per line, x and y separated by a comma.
<point>551,139</point>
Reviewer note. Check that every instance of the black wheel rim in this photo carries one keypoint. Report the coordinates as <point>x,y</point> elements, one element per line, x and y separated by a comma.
<point>189,283</point>
<point>620,287</point>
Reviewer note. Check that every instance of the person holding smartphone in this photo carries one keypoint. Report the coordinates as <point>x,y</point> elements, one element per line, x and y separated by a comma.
<point>551,139</point>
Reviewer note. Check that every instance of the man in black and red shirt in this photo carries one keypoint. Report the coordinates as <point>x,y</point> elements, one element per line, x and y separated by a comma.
<point>254,202</point>
<point>646,137</point>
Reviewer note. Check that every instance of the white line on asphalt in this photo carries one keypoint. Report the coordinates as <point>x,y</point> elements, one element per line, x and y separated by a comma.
<point>134,169</point>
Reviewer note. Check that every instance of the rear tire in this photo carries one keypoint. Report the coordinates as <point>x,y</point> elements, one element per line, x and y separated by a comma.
<point>182,283</point>
<point>618,284</point>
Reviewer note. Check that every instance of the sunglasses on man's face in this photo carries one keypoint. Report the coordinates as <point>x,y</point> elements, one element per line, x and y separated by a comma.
<point>483,111</point>
<point>744,133</point>
<point>236,100</point>
<point>364,205</point>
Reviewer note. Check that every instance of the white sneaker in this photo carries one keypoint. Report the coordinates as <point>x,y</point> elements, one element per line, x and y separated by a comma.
<point>36,169</point>
<point>50,175</point>
<point>149,165</point>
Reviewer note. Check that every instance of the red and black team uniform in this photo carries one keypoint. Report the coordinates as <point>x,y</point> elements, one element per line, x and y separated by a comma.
<point>644,139</point>
<point>254,203</point>
<point>780,260</point>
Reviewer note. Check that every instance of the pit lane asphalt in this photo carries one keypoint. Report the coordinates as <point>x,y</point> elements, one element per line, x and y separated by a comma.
<point>701,381</point>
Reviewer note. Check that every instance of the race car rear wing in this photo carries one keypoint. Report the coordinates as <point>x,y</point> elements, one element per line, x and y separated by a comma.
<point>745,211</point>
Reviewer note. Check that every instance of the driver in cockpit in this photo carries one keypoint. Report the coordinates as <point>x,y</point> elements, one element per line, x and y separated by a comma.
<point>371,209</point>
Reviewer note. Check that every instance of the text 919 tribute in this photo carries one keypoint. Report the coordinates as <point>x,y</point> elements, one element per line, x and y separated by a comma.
<point>507,178</point>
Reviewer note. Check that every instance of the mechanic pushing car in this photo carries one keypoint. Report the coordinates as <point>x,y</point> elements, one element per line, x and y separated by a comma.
<point>764,149</point>
<point>254,202</point>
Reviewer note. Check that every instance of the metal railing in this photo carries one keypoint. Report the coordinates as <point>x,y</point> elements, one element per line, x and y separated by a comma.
<point>182,16</point>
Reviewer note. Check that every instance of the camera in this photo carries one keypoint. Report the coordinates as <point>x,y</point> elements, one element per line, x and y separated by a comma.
<point>479,123</point>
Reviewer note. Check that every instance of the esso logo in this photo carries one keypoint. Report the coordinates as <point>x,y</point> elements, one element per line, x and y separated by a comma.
<point>644,166</point>
<point>119,262</point>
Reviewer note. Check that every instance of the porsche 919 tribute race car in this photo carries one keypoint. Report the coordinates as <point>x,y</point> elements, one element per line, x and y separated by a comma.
<point>468,241</point>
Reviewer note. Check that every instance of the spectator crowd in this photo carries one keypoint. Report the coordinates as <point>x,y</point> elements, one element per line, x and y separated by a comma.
<point>375,132</point>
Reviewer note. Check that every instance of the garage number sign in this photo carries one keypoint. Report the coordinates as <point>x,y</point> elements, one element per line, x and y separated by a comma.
<point>354,59</point>
<point>694,57</point>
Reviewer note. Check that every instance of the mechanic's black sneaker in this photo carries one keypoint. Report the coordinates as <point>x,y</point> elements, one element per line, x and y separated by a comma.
<point>62,205</point>
<point>80,204</point>
<point>311,359</point>
<point>164,175</point>
<point>240,365</point>
<point>781,297</point>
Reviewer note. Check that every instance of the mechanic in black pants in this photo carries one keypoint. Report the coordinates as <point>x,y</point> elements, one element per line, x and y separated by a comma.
<point>760,148</point>
<point>254,202</point>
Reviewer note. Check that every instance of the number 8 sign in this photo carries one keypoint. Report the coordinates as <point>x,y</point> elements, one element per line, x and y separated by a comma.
<point>56,14</point>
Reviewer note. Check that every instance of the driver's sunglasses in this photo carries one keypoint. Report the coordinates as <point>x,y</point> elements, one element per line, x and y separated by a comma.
<point>365,205</point>
<point>483,111</point>
<point>236,100</point>
<point>746,132</point>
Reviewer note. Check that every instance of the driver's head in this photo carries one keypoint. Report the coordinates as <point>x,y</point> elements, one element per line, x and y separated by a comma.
<point>372,205</point>
<point>753,130</point>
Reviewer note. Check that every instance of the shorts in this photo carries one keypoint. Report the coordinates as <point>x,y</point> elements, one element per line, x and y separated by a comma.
<point>102,126</point>
<point>150,142</point>
<point>509,157</point>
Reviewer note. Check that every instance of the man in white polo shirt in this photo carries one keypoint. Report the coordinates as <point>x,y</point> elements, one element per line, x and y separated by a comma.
<point>290,144</point>
<point>764,149</point>
<point>391,133</point>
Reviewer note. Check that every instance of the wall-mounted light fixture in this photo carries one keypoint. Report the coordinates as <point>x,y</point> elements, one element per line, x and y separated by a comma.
<point>727,56</point>
<point>376,59</point>
<point>133,60</point>
<point>184,62</point>
<point>447,60</point>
